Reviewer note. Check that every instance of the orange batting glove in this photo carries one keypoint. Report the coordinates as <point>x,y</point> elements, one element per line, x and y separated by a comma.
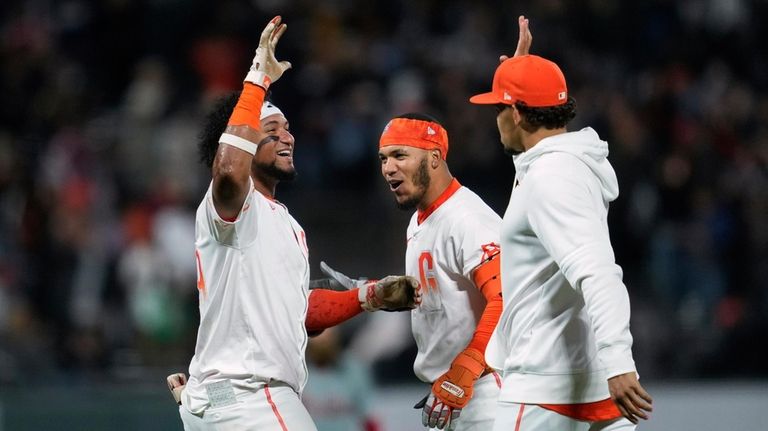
<point>452,391</point>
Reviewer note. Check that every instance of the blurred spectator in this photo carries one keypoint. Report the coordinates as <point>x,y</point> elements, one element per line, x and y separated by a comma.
<point>340,391</point>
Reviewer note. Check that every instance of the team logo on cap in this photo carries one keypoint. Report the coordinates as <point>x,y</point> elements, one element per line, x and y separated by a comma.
<point>430,131</point>
<point>561,95</point>
<point>507,96</point>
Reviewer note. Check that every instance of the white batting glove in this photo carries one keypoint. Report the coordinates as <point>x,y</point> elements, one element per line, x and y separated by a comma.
<point>265,68</point>
<point>343,280</point>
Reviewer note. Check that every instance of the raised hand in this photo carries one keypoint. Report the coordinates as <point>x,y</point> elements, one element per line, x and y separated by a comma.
<point>265,68</point>
<point>524,39</point>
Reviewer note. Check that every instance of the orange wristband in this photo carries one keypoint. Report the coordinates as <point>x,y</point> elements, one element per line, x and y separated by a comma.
<point>248,108</point>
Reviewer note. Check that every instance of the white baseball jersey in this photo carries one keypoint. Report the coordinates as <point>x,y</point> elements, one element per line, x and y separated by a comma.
<point>443,250</point>
<point>253,279</point>
<point>564,329</point>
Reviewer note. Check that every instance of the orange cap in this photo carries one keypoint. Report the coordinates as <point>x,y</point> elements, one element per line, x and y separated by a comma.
<point>410,132</point>
<point>528,78</point>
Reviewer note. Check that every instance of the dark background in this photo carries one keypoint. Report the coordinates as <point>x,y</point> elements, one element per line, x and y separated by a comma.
<point>101,104</point>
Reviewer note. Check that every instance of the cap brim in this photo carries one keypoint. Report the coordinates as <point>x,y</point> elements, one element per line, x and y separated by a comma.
<point>485,99</point>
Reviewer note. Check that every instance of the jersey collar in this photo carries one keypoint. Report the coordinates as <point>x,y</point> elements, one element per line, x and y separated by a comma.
<point>447,193</point>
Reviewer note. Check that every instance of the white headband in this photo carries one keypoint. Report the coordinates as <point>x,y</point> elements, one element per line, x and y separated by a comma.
<point>268,109</point>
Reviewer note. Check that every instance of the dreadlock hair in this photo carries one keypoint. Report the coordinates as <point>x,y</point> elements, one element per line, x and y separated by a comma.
<point>551,117</point>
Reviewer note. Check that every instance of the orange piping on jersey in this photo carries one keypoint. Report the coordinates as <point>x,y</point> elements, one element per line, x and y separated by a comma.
<point>591,412</point>
<point>447,193</point>
<point>200,278</point>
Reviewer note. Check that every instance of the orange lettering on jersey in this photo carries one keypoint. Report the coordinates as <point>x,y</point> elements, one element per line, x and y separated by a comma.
<point>427,271</point>
<point>200,278</point>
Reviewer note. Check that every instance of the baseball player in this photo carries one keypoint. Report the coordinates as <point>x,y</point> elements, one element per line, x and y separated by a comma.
<point>253,273</point>
<point>563,340</point>
<point>453,250</point>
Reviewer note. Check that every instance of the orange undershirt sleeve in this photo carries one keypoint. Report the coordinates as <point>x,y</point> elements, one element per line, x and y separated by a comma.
<point>329,308</point>
<point>487,278</point>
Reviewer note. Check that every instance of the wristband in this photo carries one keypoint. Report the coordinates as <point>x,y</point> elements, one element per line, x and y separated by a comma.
<point>248,108</point>
<point>236,141</point>
<point>258,78</point>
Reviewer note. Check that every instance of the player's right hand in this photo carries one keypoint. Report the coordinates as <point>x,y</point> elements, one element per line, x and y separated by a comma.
<point>176,383</point>
<point>631,399</point>
<point>265,68</point>
<point>391,293</point>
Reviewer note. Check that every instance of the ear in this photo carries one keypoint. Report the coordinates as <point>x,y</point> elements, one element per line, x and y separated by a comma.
<point>435,158</point>
<point>516,117</point>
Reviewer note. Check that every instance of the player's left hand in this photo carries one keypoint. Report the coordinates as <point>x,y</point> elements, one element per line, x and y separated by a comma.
<point>524,39</point>
<point>631,399</point>
<point>176,383</point>
<point>452,391</point>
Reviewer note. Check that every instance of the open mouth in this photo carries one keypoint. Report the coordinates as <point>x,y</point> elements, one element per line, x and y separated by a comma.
<point>285,153</point>
<point>394,184</point>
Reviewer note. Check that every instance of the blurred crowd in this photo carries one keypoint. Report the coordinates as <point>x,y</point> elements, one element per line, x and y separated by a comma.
<point>102,102</point>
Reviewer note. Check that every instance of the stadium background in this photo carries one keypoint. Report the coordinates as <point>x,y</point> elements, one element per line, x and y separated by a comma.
<point>99,179</point>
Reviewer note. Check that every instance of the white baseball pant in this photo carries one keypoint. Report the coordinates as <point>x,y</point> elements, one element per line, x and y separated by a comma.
<point>531,417</point>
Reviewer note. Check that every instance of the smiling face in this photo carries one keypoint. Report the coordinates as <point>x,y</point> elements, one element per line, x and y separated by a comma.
<point>274,158</point>
<point>406,171</point>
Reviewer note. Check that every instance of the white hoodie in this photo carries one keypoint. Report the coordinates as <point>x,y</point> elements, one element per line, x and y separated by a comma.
<point>565,326</point>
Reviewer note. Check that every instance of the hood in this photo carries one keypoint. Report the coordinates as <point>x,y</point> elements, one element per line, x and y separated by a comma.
<point>587,146</point>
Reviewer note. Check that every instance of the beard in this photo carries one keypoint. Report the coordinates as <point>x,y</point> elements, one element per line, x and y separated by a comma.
<point>421,181</point>
<point>276,173</point>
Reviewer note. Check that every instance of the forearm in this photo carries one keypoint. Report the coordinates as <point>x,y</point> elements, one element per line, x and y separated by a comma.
<point>487,278</point>
<point>328,308</point>
<point>591,270</point>
<point>486,324</point>
<point>607,304</point>
<point>237,145</point>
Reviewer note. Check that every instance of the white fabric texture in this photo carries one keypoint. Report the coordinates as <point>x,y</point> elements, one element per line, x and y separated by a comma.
<point>270,409</point>
<point>254,273</point>
<point>565,326</point>
<point>530,417</point>
<point>442,253</point>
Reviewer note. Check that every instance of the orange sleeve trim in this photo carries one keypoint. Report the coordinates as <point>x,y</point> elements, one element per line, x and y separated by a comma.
<point>248,108</point>
<point>597,411</point>
<point>329,308</point>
